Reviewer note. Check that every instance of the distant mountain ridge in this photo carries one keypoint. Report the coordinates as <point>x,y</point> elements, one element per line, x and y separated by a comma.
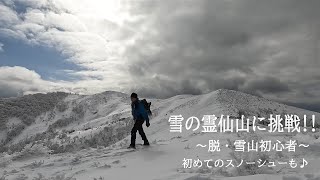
<point>66,122</point>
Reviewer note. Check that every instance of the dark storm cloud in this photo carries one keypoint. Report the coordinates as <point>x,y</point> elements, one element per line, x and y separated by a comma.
<point>162,88</point>
<point>260,47</point>
<point>265,85</point>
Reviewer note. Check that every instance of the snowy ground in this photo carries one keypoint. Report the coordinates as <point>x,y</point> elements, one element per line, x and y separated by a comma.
<point>163,159</point>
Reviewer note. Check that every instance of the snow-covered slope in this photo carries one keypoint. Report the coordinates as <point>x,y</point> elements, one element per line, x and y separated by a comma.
<point>87,135</point>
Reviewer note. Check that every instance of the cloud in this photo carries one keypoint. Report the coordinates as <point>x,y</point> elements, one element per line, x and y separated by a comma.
<point>17,80</point>
<point>79,31</point>
<point>265,85</point>
<point>8,16</point>
<point>1,47</point>
<point>264,48</point>
<point>163,48</point>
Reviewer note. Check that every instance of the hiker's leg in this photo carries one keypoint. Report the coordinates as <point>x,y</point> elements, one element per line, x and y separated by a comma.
<point>133,134</point>
<point>141,132</point>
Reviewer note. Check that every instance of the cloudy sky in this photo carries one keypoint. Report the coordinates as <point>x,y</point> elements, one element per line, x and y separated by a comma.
<point>161,48</point>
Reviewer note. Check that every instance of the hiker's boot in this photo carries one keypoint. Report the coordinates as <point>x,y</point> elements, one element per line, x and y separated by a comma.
<point>132,146</point>
<point>146,143</point>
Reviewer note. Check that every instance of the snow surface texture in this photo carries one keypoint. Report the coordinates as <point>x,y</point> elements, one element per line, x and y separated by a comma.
<point>67,136</point>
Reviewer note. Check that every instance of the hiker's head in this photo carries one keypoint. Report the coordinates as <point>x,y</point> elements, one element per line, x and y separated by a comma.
<point>134,97</point>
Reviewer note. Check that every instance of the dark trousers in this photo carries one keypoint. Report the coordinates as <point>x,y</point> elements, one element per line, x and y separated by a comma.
<point>138,127</point>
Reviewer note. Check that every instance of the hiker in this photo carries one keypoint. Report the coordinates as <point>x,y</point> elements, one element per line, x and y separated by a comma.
<point>139,116</point>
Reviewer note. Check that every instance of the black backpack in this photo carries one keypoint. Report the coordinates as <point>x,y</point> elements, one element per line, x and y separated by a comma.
<point>146,106</point>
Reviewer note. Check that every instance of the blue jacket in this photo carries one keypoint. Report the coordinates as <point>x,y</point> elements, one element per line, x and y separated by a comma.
<point>138,111</point>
